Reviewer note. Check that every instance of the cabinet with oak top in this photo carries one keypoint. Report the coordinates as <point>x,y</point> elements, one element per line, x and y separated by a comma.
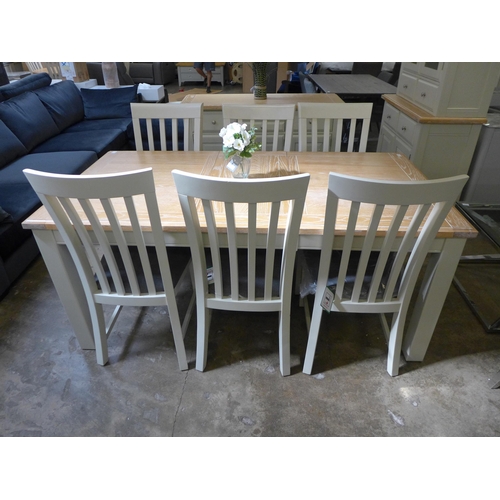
<point>435,117</point>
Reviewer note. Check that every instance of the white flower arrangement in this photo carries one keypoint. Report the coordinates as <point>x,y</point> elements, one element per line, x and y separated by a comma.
<point>237,140</point>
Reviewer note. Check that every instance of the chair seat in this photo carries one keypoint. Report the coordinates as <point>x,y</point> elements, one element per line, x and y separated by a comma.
<point>178,257</point>
<point>308,260</point>
<point>243,272</point>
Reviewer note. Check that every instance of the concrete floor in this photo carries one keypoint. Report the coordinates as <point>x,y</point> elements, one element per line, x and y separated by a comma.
<point>53,388</point>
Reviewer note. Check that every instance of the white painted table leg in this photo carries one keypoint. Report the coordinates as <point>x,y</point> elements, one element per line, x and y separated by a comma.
<point>430,299</point>
<point>68,286</point>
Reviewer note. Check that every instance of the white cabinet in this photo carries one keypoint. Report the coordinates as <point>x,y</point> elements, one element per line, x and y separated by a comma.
<point>436,115</point>
<point>439,148</point>
<point>453,89</point>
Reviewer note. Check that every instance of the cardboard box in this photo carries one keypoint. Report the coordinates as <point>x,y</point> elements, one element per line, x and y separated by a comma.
<point>76,71</point>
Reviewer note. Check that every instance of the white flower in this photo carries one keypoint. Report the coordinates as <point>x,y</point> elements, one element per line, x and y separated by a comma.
<point>238,144</point>
<point>245,136</point>
<point>233,128</point>
<point>228,140</point>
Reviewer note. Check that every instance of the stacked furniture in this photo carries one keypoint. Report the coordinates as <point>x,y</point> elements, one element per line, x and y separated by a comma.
<point>53,128</point>
<point>436,114</point>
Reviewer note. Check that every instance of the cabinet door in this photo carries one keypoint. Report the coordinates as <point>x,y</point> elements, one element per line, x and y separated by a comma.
<point>431,70</point>
<point>406,85</point>
<point>402,147</point>
<point>386,140</point>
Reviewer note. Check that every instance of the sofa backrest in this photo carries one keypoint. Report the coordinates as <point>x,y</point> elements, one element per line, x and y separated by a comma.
<point>37,115</point>
<point>27,117</point>
<point>18,87</point>
<point>64,103</point>
<point>10,146</point>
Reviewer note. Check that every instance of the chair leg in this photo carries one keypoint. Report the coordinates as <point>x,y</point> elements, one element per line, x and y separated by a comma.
<point>100,337</point>
<point>203,316</point>
<point>176,325</point>
<point>180,349</point>
<point>395,343</point>
<point>313,335</point>
<point>284,341</point>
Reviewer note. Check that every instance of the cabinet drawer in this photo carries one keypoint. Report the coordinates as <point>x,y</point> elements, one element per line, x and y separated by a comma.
<point>426,95</point>
<point>188,74</point>
<point>390,116</point>
<point>212,122</point>
<point>406,127</point>
<point>406,85</point>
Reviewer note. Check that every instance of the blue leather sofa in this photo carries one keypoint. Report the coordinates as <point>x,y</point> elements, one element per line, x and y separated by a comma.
<point>55,128</point>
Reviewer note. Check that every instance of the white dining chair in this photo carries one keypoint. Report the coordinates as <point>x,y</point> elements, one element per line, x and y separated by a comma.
<point>274,123</point>
<point>105,233</point>
<point>251,258</point>
<point>371,274</point>
<point>35,67</point>
<point>160,124</point>
<point>326,126</point>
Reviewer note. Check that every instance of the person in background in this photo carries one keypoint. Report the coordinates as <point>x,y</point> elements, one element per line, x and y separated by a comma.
<point>209,67</point>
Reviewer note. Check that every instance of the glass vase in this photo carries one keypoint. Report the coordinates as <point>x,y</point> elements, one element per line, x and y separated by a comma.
<point>239,166</point>
<point>110,75</point>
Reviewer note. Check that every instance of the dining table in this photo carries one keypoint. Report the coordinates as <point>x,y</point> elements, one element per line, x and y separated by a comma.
<point>436,280</point>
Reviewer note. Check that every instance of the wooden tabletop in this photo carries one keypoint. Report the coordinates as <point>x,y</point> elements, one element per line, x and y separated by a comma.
<point>390,166</point>
<point>214,102</point>
<point>352,85</point>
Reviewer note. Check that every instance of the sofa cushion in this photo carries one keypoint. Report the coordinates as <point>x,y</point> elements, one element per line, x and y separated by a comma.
<point>23,85</point>
<point>10,146</point>
<point>27,117</point>
<point>99,141</point>
<point>104,124</point>
<point>5,216</point>
<point>17,196</point>
<point>64,103</point>
<point>108,103</point>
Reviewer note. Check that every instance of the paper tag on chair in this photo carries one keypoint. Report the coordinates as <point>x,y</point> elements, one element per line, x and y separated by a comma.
<point>210,275</point>
<point>327,300</point>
